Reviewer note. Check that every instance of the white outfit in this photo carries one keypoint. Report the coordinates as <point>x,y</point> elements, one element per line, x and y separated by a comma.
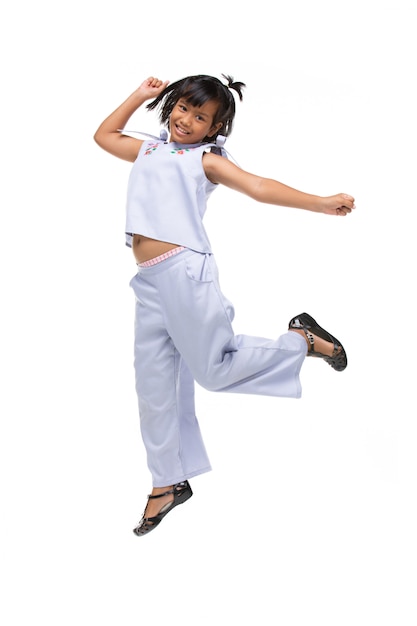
<point>183,323</point>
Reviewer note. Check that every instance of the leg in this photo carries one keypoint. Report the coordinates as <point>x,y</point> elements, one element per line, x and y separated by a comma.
<point>165,388</point>
<point>199,321</point>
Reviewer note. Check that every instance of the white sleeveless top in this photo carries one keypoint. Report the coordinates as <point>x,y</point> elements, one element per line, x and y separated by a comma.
<point>167,194</point>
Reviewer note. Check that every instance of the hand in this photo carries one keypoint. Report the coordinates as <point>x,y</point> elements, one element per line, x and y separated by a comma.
<point>152,87</point>
<point>340,204</point>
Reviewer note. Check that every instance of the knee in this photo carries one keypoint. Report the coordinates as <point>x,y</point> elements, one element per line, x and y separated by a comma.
<point>210,380</point>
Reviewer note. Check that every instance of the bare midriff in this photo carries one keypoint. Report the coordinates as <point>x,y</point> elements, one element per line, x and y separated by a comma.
<point>145,248</point>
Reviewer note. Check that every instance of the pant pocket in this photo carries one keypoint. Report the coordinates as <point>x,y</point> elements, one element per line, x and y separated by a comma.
<point>198,268</point>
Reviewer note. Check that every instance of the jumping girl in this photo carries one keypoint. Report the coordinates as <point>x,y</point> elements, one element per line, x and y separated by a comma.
<point>183,323</point>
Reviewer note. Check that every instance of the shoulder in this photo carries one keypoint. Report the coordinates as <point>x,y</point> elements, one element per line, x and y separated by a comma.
<point>219,169</point>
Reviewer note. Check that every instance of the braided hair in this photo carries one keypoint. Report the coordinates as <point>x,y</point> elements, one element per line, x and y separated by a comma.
<point>197,90</point>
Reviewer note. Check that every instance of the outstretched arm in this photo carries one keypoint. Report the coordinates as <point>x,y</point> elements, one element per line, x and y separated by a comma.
<point>269,191</point>
<point>108,135</point>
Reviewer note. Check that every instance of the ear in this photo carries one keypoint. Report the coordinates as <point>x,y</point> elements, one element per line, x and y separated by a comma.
<point>214,129</point>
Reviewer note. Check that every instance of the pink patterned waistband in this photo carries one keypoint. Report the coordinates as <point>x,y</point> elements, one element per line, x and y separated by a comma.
<point>161,257</point>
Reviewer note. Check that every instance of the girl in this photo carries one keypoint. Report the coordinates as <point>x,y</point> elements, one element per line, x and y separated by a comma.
<point>183,323</point>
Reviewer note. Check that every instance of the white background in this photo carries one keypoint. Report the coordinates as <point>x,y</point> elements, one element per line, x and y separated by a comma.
<point>308,516</point>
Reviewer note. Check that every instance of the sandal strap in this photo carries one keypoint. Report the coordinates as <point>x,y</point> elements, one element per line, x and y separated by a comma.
<point>176,489</point>
<point>161,495</point>
<point>297,323</point>
<point>310,339</point>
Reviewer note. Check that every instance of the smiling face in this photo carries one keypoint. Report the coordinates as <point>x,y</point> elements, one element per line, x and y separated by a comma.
<point>192,124</point>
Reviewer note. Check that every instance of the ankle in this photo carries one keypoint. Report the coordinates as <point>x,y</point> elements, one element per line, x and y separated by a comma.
<point>302,334</point>
<point>157,491</point>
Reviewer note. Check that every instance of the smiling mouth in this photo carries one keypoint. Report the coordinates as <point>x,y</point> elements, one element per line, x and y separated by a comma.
<point>181,131</point>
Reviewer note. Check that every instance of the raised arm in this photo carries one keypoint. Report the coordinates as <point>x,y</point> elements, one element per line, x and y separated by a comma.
<point>269,191</point>
<point>108,137</point>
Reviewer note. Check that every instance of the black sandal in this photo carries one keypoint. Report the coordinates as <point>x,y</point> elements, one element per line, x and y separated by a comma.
<point>182,492</point>
<point>306,323</point>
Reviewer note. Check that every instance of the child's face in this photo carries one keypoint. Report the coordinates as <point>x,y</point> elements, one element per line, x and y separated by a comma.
<point>191,124</point>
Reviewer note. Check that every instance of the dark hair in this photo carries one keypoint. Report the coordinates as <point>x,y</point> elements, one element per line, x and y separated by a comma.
<point>197,90</point>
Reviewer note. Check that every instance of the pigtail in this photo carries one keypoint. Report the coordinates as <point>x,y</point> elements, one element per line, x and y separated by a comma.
<point>236,86</point>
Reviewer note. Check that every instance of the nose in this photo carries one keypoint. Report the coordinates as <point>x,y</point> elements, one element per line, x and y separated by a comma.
<point>186,118</point>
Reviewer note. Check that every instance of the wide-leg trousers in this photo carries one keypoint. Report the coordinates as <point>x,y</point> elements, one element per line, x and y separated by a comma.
<point>183,333</point>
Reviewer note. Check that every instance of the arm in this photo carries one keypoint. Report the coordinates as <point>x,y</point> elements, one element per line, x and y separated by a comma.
<point>108,137</point>
<point>269,191</point>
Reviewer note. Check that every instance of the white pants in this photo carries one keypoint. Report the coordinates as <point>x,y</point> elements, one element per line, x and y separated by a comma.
<point>183,333</point>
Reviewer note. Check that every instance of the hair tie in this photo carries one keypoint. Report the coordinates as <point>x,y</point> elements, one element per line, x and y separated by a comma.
<point>236,86</point>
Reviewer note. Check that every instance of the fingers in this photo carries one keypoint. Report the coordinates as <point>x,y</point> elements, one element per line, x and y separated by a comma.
<point>347,206</point>
<point>348,201</point>
<point>343,210</point>
<point>156,83</point>
<point>340,204</point>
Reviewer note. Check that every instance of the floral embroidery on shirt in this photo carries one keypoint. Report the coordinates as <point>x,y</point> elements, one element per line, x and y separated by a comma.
<point>151,147</point>
<point>180,150</point>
